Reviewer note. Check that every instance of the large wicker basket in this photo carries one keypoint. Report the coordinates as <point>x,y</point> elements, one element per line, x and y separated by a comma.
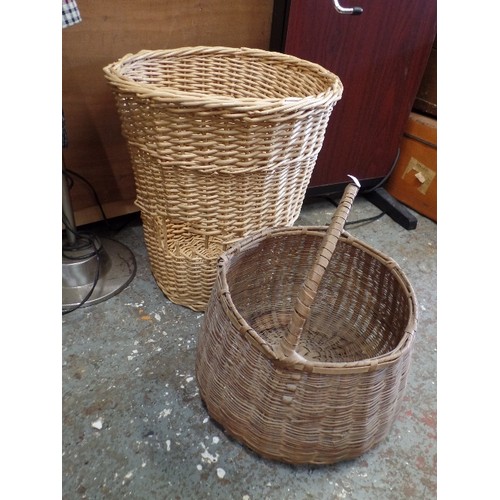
<point>306,343</point>
<point>223,142</point>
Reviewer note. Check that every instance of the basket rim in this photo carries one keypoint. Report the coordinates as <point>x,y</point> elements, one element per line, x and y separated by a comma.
<point>301,364</point>
<point>263,105</point>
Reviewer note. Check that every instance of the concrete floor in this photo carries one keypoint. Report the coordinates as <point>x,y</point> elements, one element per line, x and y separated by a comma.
<point>134,425</point>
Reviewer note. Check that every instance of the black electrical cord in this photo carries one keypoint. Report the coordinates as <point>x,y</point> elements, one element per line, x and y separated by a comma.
<point>367,220</point>
<point>82,241</point>
<point>379,184</point>
<point>69,179</point>
<point>69,175</point>
<point>384,180</point>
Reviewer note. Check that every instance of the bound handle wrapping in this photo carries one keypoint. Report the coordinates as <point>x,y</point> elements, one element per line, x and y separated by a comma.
<point>307,294</point>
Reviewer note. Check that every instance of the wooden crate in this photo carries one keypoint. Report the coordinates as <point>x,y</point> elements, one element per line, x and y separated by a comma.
<point>414,180</point>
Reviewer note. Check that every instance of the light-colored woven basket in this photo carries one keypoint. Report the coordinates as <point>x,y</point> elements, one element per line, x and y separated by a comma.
<point>306,343</point>
<point>223,142</point>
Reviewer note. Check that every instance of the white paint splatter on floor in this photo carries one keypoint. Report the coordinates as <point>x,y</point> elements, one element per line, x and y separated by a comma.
<point>207,457</point>
<point>165,413</point>
<point>97,424</point>
<point>135,304</point>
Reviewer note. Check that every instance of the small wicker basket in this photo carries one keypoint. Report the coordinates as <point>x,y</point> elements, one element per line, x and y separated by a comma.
<point>306,343</point>
<point>223,142</point>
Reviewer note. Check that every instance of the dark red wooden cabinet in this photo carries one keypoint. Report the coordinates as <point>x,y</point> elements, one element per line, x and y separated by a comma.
<point>380,56</point>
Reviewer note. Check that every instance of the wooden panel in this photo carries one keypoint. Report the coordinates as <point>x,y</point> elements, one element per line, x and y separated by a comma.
<point>426,100</point>
<point>380,56</point>
<point>108,31</point>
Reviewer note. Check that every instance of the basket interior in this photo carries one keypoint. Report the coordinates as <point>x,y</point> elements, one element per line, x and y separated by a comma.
<point>360,312</point>
<point>232,74</point>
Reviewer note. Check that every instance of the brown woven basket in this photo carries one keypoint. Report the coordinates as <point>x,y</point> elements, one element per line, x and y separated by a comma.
<point>223,142</point>
<point>306,343</point>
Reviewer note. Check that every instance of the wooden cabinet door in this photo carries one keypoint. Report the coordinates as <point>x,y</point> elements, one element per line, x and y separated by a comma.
<point>380,57</point>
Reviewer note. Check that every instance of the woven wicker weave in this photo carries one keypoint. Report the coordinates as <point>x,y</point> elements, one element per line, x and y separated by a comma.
<point>306,370</point>
<point>223,142</point>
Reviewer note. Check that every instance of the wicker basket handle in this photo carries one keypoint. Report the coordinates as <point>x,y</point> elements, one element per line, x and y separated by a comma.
<point>310,287</point>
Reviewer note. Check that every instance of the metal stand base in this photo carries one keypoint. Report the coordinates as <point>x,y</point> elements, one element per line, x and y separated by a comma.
<point>392,207</point>
<point>117,268</point>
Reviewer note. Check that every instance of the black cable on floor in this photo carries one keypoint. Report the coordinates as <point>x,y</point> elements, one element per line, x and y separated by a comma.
<point>86,239</point>
<point>82,241</point>
<point>69,175</point>
<point>381,183</point>
<point>384,180</point>
<point>367,220</point>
